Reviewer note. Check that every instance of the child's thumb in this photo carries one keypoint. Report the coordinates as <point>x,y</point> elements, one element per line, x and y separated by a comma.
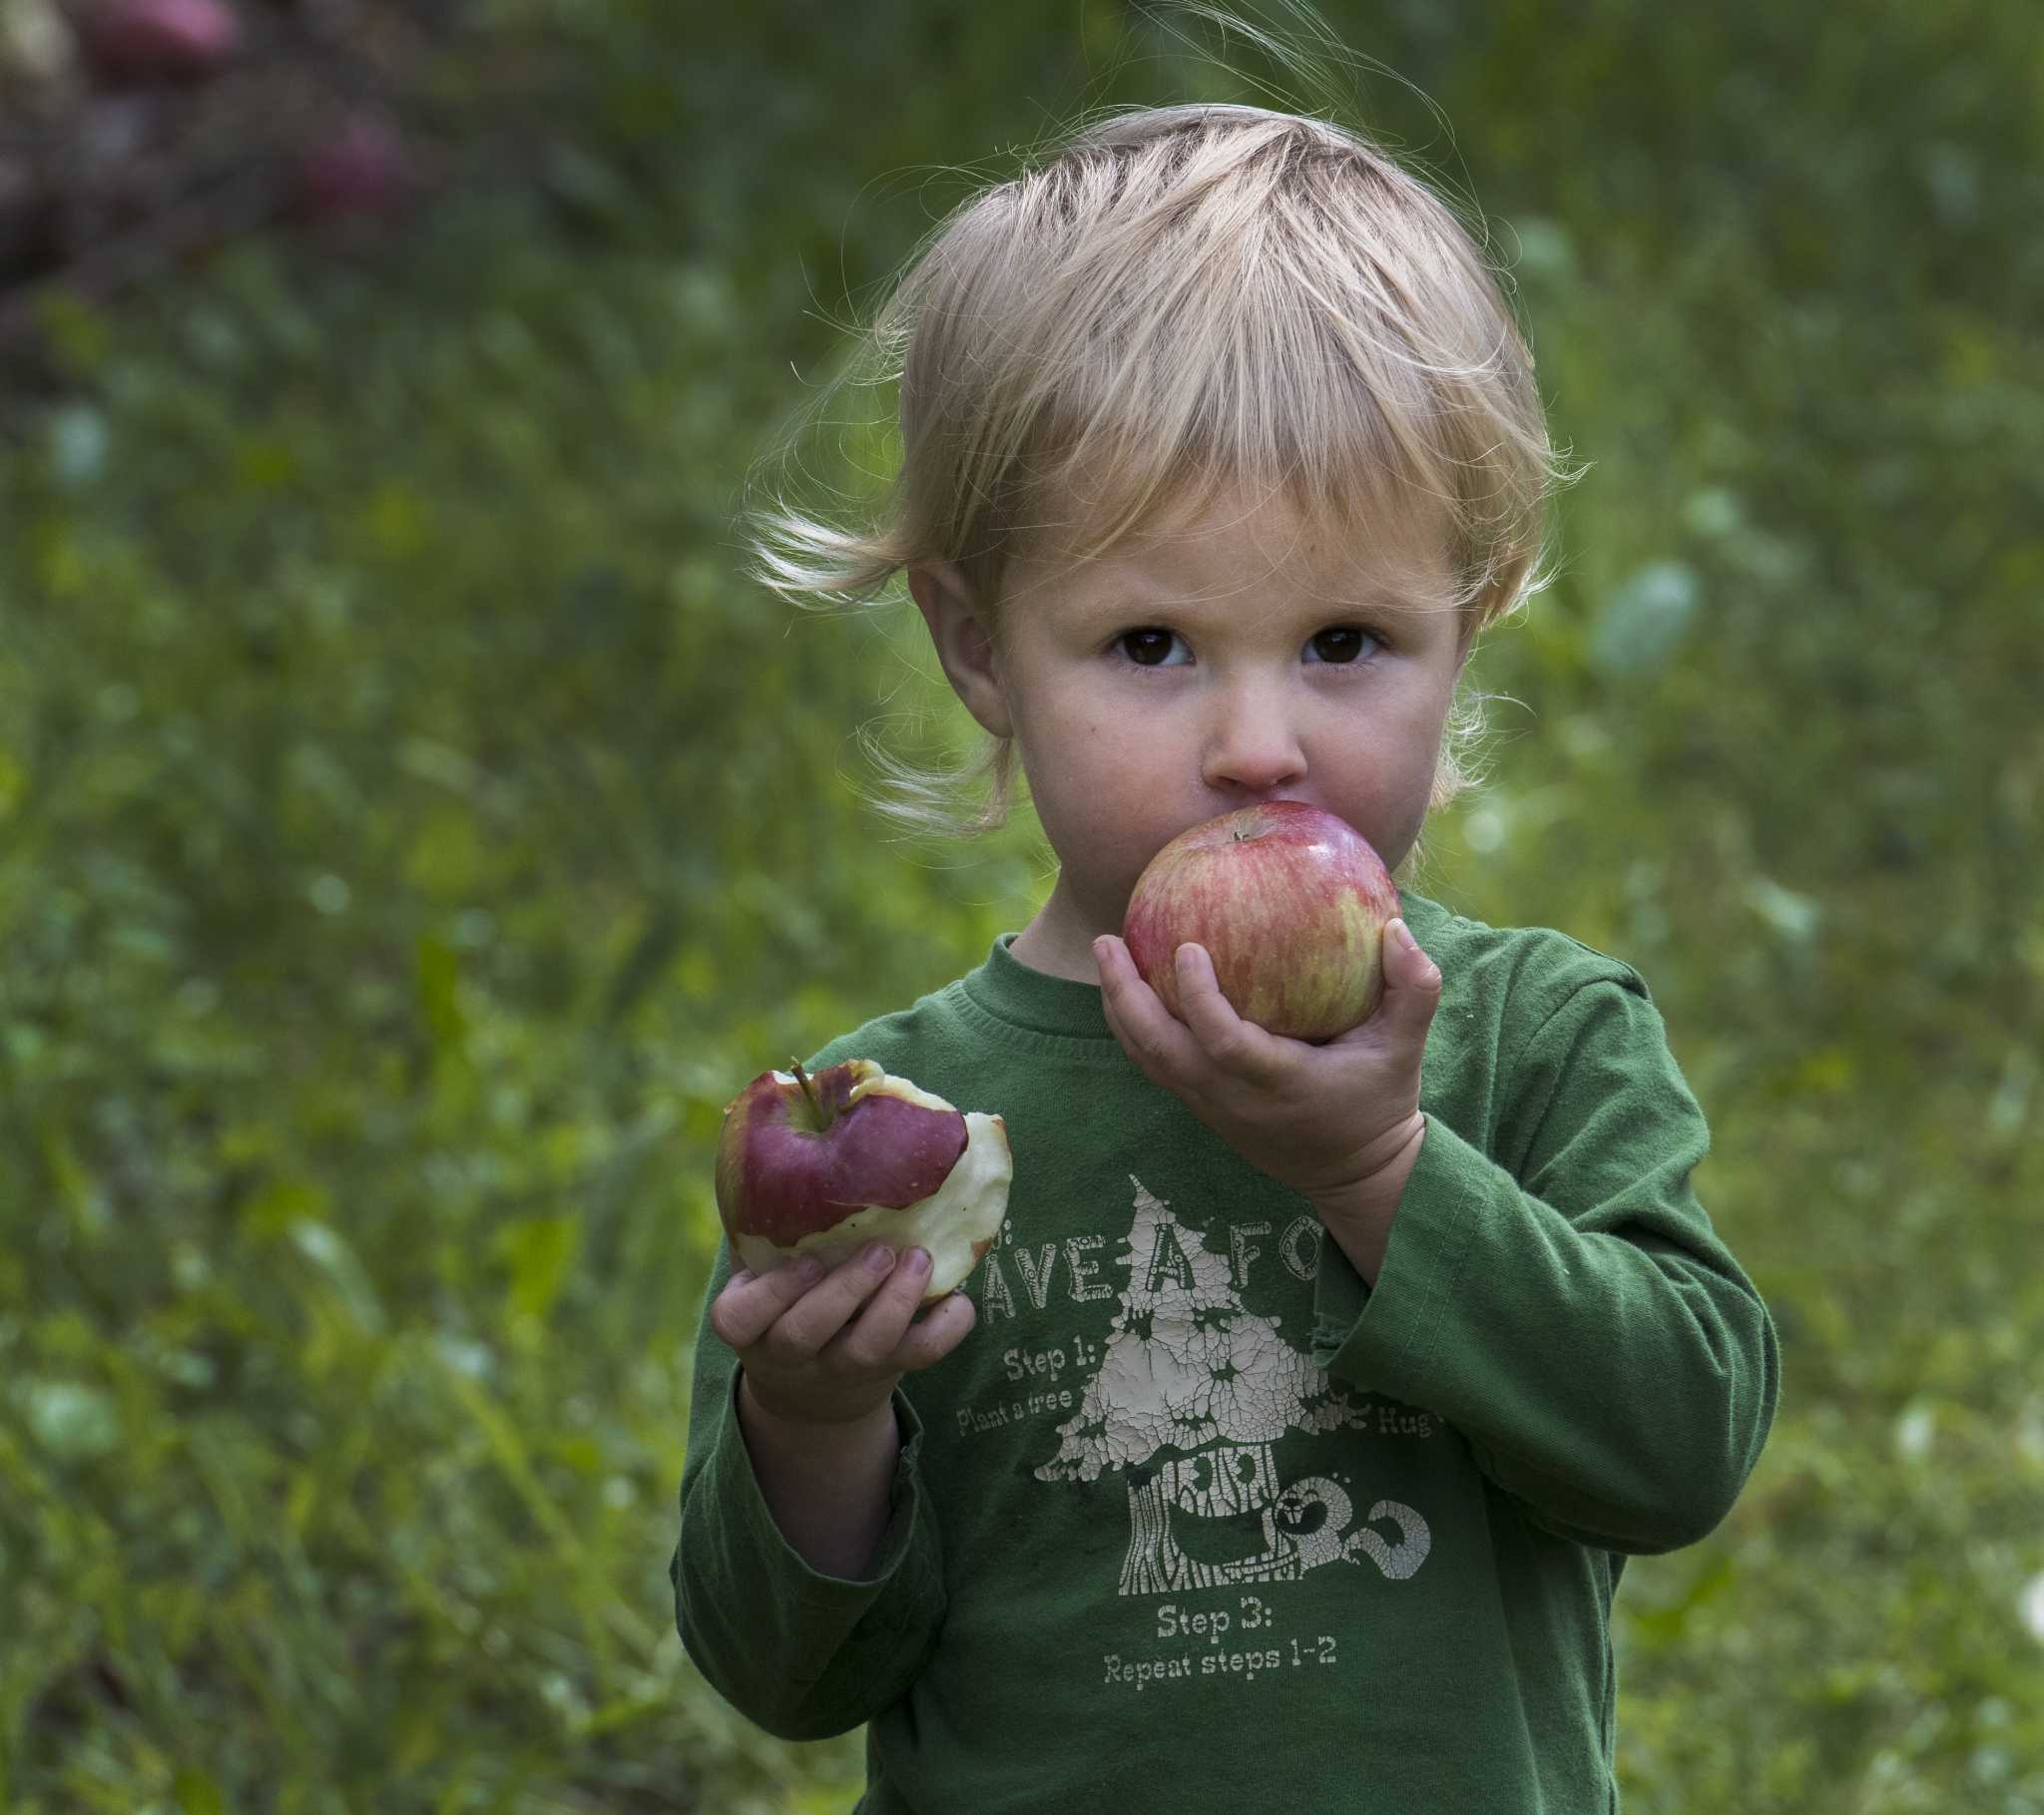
<point>1412,981</point>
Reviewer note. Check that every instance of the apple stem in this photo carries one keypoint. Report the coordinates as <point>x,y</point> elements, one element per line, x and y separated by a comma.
<point>809,1090</point>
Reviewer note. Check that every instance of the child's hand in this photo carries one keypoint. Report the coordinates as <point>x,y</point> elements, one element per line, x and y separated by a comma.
<point>827,1348</point>
<point>1331,1120</point>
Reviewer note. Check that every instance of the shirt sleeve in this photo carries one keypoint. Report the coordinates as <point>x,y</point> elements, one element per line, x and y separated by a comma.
<point>1568,1306</point>
<point>801,1655</point>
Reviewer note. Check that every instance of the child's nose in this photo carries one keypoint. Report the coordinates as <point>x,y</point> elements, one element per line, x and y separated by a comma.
<point>1253,749</point>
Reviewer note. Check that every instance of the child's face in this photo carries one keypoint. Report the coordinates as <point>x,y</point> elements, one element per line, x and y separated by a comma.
<point>1238,658</point>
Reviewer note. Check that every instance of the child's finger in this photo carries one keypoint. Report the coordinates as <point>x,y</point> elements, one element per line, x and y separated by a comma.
<point>1160,1044</point>
<point>1412,993</point>
<point>1232,1043</point>
<point>817,1317</point>
<point>877,1331</point>
<point>1412,974</point>
<point>947,1324</point>
<point>752,1303</point>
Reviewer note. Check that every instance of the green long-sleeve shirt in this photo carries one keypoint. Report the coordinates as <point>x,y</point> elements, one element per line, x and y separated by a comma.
<point>1196,1520</point>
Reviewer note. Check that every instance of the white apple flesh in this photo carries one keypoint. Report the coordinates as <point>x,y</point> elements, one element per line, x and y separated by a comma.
<point>1290,902</point>
<point>822,1164</point>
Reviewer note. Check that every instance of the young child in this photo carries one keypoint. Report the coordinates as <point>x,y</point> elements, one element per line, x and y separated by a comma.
<point>1286,1450</point>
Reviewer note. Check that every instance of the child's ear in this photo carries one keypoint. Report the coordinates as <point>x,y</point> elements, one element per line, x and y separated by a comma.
<point>962,643</point>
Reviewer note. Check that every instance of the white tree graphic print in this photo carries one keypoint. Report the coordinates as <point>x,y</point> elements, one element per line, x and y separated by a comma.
<point>1191,1394</point>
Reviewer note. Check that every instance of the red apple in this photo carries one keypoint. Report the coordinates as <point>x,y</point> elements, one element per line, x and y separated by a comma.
<point>363,169</point>
<point>1290,903</point>
<point>143,40</point>
<point>824,1163</point>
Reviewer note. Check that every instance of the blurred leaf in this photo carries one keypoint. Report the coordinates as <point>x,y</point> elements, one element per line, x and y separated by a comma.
<point>1644,620</point>
<point>71,1421</point>
<point>540,1250</point>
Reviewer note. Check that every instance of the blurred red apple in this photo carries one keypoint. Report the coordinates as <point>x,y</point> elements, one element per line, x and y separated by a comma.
<point>363,169</point>
<point>143,40</point>
<point>823,1164</point>
<point>1290,903</point>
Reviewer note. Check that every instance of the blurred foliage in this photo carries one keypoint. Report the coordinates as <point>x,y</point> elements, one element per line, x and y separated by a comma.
<point>412,831</point>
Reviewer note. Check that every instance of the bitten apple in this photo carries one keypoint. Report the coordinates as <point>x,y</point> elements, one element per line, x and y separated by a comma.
<point>1290,903</point>
<point>822,1164</point>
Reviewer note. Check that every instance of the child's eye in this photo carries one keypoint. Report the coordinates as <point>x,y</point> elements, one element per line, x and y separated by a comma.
<point>1344,643</point>
<point>1148,646</point>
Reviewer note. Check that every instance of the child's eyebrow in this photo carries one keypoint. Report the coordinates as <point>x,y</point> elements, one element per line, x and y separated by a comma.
<point>1118,600</point>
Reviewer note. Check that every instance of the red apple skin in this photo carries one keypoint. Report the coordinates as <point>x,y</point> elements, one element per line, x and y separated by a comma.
<point>141,41</point>
<point>1290,903</point>
<point>781,1176</point>
<point>365,168</point>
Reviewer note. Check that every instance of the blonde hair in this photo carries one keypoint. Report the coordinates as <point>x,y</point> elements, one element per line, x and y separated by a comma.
<point>1179,301</point>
